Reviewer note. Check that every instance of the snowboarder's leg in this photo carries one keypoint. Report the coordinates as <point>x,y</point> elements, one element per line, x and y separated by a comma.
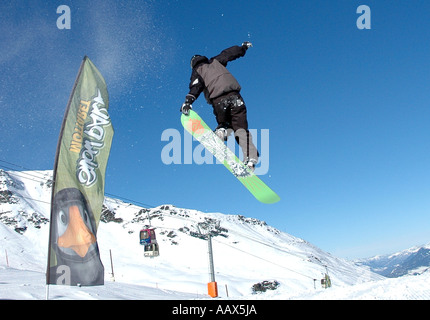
<point>250,152</point>
<point>243,137</point>
<point>223,118</point>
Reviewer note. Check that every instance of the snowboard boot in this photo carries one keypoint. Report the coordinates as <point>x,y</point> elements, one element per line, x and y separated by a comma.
<point>250,163</point>
<point>221,133</point>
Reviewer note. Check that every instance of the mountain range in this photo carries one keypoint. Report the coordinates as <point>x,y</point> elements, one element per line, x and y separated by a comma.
<point>413,261</point>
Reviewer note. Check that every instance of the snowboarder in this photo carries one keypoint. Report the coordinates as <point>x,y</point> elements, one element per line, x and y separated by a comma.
<point>222,91</point>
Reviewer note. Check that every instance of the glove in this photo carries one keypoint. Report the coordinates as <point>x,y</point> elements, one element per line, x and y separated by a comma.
<point>185,108</point>
<point>247,44</point>
<point>187,105</point>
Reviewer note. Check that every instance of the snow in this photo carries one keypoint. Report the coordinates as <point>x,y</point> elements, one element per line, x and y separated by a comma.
<point>246,251</point>
<point>29,285</point>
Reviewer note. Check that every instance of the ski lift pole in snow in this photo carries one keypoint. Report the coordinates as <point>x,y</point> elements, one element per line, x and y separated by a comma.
<point>212,286</point>
<point>326,281</point>
<point>149,218</point>
<point>7,260</point>
<point>111,264</point>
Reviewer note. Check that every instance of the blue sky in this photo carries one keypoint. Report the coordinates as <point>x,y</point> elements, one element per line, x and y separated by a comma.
<point>347,109</point>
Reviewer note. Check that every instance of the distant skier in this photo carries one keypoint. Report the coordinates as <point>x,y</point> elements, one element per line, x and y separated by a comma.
<point>222,91</point>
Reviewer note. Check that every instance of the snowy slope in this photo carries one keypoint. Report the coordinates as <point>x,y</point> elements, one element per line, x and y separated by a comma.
<point>25,284</point>
<point>246,251</point>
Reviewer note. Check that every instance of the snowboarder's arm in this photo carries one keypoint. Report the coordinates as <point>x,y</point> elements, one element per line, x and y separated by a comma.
<point>196,87</point>
<point>231,54</point>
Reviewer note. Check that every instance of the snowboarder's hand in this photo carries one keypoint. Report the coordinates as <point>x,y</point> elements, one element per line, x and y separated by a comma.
<point>185,108</point>
<point>247,44</point>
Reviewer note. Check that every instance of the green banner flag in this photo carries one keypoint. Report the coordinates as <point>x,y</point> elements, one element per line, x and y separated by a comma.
<point>79,180</point>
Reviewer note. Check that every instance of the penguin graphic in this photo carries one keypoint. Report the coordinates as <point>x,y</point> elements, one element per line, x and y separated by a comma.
<point>73,239</point>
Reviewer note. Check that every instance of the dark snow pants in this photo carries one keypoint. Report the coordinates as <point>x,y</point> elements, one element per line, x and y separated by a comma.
<point>230,113</point>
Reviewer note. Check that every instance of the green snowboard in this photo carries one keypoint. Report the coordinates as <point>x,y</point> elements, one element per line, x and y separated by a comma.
<point>200,130</point>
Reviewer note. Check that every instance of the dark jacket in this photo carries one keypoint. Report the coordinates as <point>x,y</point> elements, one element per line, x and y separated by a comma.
<point>212,77</point>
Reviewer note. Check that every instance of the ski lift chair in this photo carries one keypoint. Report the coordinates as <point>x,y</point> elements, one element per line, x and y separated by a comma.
<point>151,250</point>
<point>148,239</point>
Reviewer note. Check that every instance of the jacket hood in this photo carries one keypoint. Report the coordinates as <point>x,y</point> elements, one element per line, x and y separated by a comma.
<point>198,59</point>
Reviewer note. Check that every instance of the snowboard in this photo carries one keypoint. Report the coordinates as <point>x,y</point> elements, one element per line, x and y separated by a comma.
<point>201,131</point>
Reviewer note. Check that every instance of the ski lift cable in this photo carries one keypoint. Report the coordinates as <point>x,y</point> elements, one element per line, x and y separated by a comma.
<point>255,256</point>
<point>23,174</point>
<point>42,179</point>
<point>243,235</point>
<point>34,178</point>
<point>22,167</point>
<point>37,200</point>
<point>214,239</point>
<point>237,233</point>
<point>131,201</point>
<point>268,261</point>
<point>188,219</point>
<point>268,245</point>
<point>17,165</point>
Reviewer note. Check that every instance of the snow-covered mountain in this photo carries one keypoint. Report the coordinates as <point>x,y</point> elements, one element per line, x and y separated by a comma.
<point>246,251</point>
<point>413,261</point>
